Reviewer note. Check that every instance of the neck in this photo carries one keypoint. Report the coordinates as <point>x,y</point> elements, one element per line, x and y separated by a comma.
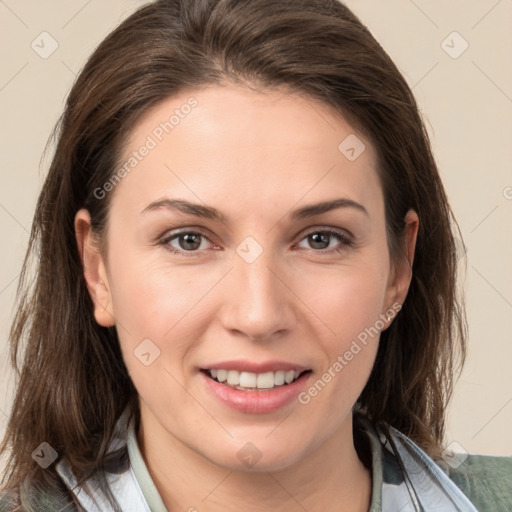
<point>330,478</point>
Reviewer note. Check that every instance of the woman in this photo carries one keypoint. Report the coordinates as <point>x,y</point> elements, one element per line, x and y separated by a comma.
<point>246,290</point>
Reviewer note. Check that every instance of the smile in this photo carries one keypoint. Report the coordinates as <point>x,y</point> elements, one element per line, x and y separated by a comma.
<point>250,381</point>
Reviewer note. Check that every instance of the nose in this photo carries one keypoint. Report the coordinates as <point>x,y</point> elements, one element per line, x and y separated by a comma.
<point>257,302</point>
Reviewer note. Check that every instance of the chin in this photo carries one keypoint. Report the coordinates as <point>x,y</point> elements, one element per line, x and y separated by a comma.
<point>257,456</point>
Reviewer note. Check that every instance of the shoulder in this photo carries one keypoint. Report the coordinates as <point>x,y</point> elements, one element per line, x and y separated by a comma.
<point>485,480</point>
<point>32,499</point>
<point>9,501</point>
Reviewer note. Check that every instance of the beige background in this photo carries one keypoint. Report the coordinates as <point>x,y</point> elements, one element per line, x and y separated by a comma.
<point>467,102</point>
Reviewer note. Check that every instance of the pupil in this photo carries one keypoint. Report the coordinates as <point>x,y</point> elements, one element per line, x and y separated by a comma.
<point>319,238</point>
<point>190,238</point>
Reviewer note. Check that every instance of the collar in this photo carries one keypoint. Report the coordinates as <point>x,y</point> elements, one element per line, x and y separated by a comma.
<point>404,477</point>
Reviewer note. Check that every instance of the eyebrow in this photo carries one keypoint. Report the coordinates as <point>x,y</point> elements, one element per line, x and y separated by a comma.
<point>208,212</point>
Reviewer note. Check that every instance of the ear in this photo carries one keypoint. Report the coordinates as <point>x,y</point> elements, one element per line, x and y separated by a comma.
<point>94,269</point>
<point>401,273</point>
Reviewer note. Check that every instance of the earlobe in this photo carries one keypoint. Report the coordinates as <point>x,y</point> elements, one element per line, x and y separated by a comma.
<point>94,269</point>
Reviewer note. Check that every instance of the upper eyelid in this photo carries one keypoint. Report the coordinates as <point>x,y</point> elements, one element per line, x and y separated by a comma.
<point>335,231</point>
<point>202,231</point>
<point>183,231</point>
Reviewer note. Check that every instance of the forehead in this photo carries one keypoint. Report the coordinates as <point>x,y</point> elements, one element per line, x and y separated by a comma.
<point>221,143</point>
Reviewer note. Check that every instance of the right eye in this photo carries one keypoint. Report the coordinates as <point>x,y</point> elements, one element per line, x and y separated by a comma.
<point>184,242</point>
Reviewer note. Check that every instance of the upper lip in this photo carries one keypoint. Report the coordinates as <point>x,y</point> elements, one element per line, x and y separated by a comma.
<point>242,365</point>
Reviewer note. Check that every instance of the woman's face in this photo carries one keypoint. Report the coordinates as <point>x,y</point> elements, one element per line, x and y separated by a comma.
<point>273,259</point>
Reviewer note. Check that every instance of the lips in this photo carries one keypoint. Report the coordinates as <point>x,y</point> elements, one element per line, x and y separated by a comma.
<point>255,400</point>
<point>250,375</point>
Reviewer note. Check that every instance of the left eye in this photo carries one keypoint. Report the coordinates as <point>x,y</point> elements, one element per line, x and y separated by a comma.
<point>321,239</point>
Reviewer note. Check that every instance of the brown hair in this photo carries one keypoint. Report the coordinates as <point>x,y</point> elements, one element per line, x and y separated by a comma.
<point>73,384</point>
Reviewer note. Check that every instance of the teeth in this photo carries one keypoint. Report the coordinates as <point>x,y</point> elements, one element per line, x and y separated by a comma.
<point>247,380</point>
<point>233,378</point>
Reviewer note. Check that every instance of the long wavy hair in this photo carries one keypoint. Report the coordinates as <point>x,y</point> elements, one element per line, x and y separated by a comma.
<point>72,384</point>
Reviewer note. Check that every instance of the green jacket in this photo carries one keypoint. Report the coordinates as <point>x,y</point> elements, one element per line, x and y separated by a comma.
<point>404,479</point>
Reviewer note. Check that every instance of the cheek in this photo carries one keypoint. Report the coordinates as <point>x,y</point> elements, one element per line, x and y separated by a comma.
<point>153,307</point>
<point>348,302</point>
<point>170,306</point>
<point>345,299</point>
<point>150,297</point>
<point>349,348</point>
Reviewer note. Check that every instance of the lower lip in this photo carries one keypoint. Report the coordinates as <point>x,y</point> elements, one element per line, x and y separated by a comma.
<point>257,402</point>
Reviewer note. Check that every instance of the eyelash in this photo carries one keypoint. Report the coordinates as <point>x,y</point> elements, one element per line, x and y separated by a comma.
<point>346,241</point>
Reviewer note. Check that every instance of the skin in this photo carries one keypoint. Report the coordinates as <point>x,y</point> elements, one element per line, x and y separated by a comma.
<point>255,156</point>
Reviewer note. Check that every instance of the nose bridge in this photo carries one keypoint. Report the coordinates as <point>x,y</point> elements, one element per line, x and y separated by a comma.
<point>257,302</point>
